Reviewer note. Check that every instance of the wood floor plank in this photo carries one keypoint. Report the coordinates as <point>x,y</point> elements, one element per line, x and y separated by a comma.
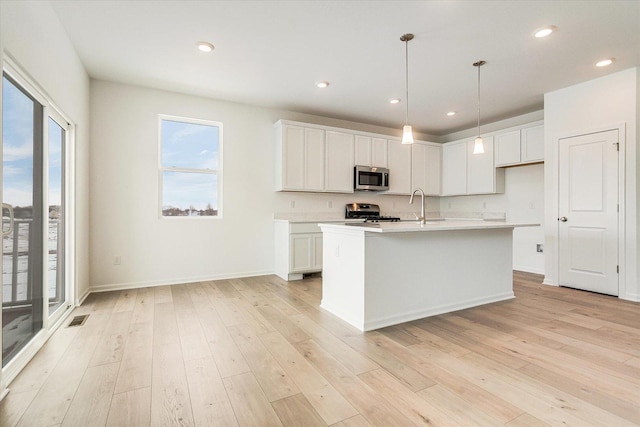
<point>455,408</point>
<point>137,359</point>
<point>209,400</point>
<point>377,347</point>
<point>43,363</point>
<point>170,399</point>
<point>194,342</point>
<point>90,406</point>
<point>14,405</point>
<point>126,301</point>
<point>347,356</point>
<point>251,406</point>
<point>110,350</point>
<point>144,305</point>
<point>357,421</point>
<point>323,397</point>
<point>275,382</point>
<point>369,403</point>
<point>419,410</point>
<point>222,347</point>
<point>296,411</point>
<point>130,409</point>
<point>54,397</point>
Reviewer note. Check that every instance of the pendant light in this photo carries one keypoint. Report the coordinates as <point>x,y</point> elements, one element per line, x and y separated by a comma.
<point>478,146</point>
<point>407,131</point>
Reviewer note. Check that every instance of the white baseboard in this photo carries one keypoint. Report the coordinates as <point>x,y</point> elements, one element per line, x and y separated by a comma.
<point>151,283</point>
<point>630,297</point>
<point>528,269</point>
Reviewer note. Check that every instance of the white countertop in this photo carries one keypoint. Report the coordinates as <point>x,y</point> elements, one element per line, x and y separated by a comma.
<point>414,226</point>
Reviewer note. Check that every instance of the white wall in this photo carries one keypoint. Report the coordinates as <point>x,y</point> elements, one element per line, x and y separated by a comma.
<point>599,104</point>
<point>522,201</point>
<point>124,190</point>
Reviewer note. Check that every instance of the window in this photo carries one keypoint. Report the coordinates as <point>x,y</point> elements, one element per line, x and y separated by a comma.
<point>190,167</point>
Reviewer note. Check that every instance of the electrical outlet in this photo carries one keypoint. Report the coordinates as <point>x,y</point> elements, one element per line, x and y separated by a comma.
<point>292,204</point>
<point>484,205</point>
<point>117,260</point>
<point>330,204</point>
<point>539,248</point>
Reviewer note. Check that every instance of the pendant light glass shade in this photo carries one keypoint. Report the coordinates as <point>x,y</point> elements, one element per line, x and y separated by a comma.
<point>478,145</point>
<point>407,134</point>
<point>407,130</point>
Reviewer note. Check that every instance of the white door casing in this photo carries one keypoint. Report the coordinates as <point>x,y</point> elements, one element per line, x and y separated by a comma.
<point>588,212</point>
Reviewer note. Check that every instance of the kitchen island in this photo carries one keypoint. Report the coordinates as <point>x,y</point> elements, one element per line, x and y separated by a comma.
<point>377,275</point>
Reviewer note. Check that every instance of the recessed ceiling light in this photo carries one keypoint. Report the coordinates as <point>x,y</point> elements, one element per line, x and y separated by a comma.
<point>394,101</point>
<point>205,46</point>
<point>322,85</point>
<point>451,113</point>
<point>605,62</point>
<point>544,31</point>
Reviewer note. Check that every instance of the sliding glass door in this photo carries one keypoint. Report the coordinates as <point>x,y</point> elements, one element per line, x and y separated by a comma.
<point>34,285</point>
<point>22,291</point>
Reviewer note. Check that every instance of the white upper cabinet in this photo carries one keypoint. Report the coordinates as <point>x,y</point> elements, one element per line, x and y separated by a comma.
<point>454,168</point>
<point>399,164</point>
<point>482,175</point>
<point>314,165</point>
<point>465,173</point>
<point>507,146</point>
<point>370,151</point>
<point>532,144</point>
<point>339,162</point>
<point>520,146</point>
<point>426,168</point>
<point>379,152</point>
<point>300,158</point>
<point>362,146</point>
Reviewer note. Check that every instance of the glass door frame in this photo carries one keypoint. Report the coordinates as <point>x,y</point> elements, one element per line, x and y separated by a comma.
<point>50,321</point>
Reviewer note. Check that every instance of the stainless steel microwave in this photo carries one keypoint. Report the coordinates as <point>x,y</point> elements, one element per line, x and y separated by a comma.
<point>367,178</point>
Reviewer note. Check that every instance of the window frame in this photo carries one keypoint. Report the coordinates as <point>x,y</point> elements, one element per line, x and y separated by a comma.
<point>217,172</point>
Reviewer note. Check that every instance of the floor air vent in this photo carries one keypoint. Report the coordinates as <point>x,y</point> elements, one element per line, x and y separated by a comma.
<point>78,320</point>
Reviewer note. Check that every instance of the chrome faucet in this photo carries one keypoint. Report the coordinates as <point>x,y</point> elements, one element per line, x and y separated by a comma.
<point>422,218</point>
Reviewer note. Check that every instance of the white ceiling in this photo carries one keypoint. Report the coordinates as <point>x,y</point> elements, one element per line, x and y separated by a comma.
<point>271,53</point>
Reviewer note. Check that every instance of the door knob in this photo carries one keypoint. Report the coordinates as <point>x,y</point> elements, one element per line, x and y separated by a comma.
<point>563,218</point>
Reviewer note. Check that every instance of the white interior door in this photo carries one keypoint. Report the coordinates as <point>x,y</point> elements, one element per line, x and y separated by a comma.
<point>588,212</point>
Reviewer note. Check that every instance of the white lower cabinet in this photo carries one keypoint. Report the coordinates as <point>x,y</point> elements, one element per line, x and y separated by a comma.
<point>298,249</point>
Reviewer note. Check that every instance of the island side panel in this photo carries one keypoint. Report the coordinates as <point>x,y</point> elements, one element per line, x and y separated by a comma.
<point>409,276</point>
<point>343,275</point>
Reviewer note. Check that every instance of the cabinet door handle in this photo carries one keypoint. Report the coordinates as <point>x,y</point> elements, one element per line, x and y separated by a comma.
<point>563,219</point>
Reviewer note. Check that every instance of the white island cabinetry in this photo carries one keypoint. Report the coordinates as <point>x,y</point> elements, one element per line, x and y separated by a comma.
<point>381,275</point>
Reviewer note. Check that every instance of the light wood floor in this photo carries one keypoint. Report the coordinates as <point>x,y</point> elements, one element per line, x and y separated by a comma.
<point>260,352</point>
